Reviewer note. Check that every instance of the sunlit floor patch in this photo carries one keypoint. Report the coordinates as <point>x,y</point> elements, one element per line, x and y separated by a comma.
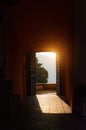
<point>51,103</point>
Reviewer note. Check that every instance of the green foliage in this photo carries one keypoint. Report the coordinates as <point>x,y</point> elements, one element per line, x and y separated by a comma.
<point>41,73</point>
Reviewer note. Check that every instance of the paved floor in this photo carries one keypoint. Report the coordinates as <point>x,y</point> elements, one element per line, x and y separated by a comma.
<point>50,103</point>
<point>46,111</point>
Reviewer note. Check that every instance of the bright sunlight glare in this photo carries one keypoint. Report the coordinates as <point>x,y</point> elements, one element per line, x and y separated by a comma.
<point>51,54</point>
<point>48,61</point>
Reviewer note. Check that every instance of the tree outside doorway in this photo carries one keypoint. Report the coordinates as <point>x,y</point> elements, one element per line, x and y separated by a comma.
<point>41,73</point>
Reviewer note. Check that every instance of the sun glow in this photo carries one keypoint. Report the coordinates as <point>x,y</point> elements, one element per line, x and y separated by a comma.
<point>50,54</point>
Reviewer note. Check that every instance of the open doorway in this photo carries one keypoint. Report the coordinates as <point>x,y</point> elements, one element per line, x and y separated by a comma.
<point>45,72</point>
<point>50,64</point>
<point>58,84</point>
<point>48,83</point>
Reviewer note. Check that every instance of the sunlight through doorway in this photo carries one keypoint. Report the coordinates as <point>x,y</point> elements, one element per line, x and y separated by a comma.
<point>47,87</point>
<point>46,83</point>
<point>50,103</point>
<point>45,70</point>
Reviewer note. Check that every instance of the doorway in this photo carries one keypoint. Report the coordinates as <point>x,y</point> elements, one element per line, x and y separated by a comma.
<point>51,66</point>
<point>45,72</point>
<point>32,85</point>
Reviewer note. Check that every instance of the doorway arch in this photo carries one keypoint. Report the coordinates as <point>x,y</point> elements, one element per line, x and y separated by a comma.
<point>30,69</point>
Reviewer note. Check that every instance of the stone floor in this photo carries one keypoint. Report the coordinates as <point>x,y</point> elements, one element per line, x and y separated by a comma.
<point>50,103</point>
<point>46,111</point>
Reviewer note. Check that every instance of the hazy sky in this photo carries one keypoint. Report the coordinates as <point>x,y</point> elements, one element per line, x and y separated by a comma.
<point>49,62</point>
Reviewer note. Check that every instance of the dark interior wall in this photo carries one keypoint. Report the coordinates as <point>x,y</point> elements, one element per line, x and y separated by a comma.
<point>79,46</point>
<point>66,71</point>
<point>30,22</point>
<point>79,52</point>
<point>3,52</point>
<point>68,76</point>
<point>1,45</point>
